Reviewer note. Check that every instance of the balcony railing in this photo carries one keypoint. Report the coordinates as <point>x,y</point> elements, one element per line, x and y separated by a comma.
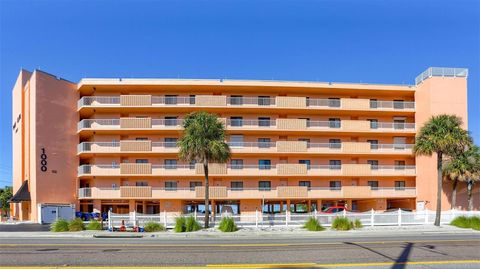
<point>441,72</point>
<point>249,193</point>
<point>248,101</point>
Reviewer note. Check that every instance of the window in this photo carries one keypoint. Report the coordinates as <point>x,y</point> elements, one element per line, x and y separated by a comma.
<point>399,142</point>
<point>236,185</point>
<point>141,138</point>
<point>191,99</point>
<point>373,123</point>
<point>171,121</point>
<point>264,164</point>
<point>334,143</point>
<point>170,99</point>
<point>170,164</point>
<point>399,165</point>
<point>307,120</point>
<point>373,184</point>
<point>305,184</point>
<point>334,123</point>
<point>236,100</point>
<point>170,142</point>
<point>141,161</point>
<point>236,164</point>
<point>141,183</point>
<point>194,184</point>
<point>335,185</point>
<point>264,121</point>
<point>192,164</point>
<point>334,102</point>
<point>236,121</point>
<point>307,162</point>
<point>373,144</point>
<point>264,100</point>
<point>264,185</point>
<point>373,164</point>
<point>264,142</point>
<point>335,164</point>
<point>399,124</point>
<point>398,104</point>
<point>170,185</point>
<point>236,140</point>
<point>399,185</point>
<point>373,103</point>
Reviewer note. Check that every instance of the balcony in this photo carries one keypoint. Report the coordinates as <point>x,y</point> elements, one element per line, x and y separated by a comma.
<point>222,101</point>
<point>147,146</point>
<point>147,169</point>
<point>222,192</point>
<point>250,125</point>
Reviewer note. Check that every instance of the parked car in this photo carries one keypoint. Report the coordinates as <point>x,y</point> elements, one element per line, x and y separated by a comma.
<point>334,209</point>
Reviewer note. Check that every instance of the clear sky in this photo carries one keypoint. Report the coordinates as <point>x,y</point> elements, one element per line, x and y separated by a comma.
<point>344,41</point>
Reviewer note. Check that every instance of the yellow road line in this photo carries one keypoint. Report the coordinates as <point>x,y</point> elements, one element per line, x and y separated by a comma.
<point>236,245</point>
<point>259,266</point>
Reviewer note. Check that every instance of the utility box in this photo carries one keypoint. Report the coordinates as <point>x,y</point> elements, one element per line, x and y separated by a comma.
<point>49,213</point>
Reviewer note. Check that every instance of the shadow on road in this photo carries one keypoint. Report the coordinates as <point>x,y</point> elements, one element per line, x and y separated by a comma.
<point>400,262</point>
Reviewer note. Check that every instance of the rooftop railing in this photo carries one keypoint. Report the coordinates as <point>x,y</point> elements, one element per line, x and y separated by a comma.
<point>441,72</point>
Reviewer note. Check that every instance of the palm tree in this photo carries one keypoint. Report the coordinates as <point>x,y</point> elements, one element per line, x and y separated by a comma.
<point>444,136</point>
<point>474,173</point>
<point>462,166</point>
<point>203,141</point>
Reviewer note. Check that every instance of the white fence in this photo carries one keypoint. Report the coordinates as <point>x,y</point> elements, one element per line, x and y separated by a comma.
<point>369,218</point>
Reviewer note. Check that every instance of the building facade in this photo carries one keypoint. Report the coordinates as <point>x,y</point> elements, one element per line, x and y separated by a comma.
<point>110,144</point>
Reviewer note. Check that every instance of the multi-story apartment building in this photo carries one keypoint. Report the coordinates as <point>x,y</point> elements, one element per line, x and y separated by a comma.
<point>110,144</point>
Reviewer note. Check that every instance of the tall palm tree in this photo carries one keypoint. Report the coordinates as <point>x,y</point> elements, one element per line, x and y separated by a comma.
<point>462,166</point>
<point>203,141</point>
<point>474,174</point>
<point>442,135</point>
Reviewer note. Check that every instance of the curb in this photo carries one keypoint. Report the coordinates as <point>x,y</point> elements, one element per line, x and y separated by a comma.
<point>117,236</point>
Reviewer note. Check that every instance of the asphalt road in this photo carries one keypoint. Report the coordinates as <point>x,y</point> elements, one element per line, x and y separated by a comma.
<point>425,251</point>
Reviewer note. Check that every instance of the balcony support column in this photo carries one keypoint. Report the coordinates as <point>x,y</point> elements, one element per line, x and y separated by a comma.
<point>288,205</point>
<point>131,205</point>
<point>281,206</point>
<point>349,204</point>
<point>214,208</point>
<point>144,207</point>
<point>97,205</point>
<point>309,205</point>
<point>319,205</point>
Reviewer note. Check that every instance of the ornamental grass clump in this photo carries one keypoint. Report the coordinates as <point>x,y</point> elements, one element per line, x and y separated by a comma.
<point>342,224</point>
<point>227,225</point>
<point>60,225</point>
<point>466,222</point>
<point>94,225</point>
<point>192,225</point>
<point>357,224</point>
<point>313,225</point>
<point>179,225</point>
<point>76,225</point>
<point>152,226</point>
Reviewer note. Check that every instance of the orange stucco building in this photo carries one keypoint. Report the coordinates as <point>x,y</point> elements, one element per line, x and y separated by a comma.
<point>110,144</point>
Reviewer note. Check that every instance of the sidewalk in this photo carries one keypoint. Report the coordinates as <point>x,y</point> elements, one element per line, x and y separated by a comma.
<point>258,232</point>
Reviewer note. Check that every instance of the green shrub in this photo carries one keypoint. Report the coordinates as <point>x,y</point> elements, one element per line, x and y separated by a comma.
<point>357,224</point>
<point>342,224</point>
<point>227,225</point>
<point>76,225</point>
<point>153,227</point>
<point>466,222</point>
<point>179,225</point>
<point>192,225</point>
<point>94,225</point>
<point>313,225</point>
<point>60,225</point>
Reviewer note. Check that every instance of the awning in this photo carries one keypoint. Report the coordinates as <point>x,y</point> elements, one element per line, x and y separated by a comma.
<point>22,194</point>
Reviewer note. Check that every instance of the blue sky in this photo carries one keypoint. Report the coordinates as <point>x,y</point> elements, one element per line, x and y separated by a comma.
<point>345,41</point>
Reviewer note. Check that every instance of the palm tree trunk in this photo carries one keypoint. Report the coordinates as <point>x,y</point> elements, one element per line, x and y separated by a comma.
<point>207,201</point>
<point>439,189</point>
<point>454,193</point>
<point>469,194</point>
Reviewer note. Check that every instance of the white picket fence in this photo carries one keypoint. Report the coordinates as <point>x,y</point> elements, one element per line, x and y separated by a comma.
<point>369,218</point>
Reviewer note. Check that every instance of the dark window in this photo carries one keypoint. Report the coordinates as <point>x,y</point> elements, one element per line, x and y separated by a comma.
<point>335,164</point>
<point>399,185</point>
<point>170,142</point>
<point>264,100</point>
<point>399,165</point>
<point>170,121</point>
<point>236,100</point>
<point>171,99</point>
<point>373,144</point>
<point>373,123</point>
<point>373,185</point>
<point>236,164</point>
<point>141,138</point>
<point>192,164</point>
<point>194,184</point>
<point>236,121</point>
<point>373,164</point>
<point>334,123</point>
<point>398,104</point>
<point>373,103</point>
<point>191,99</point>
<point>334,102</point>
<point>334,143</point>
<point>305,184</point>
<point>141,161</point>
<point>141,183</point>
<point>264,121</point>
<point>170,185</point>
<point>264,142</point>
<point>399,124</point>
<point>307,162</point>
<point>236,185</point>
<point>264,164</point>
<point>170,164</point>
<point>335,185</point>
<point>264,185</point>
